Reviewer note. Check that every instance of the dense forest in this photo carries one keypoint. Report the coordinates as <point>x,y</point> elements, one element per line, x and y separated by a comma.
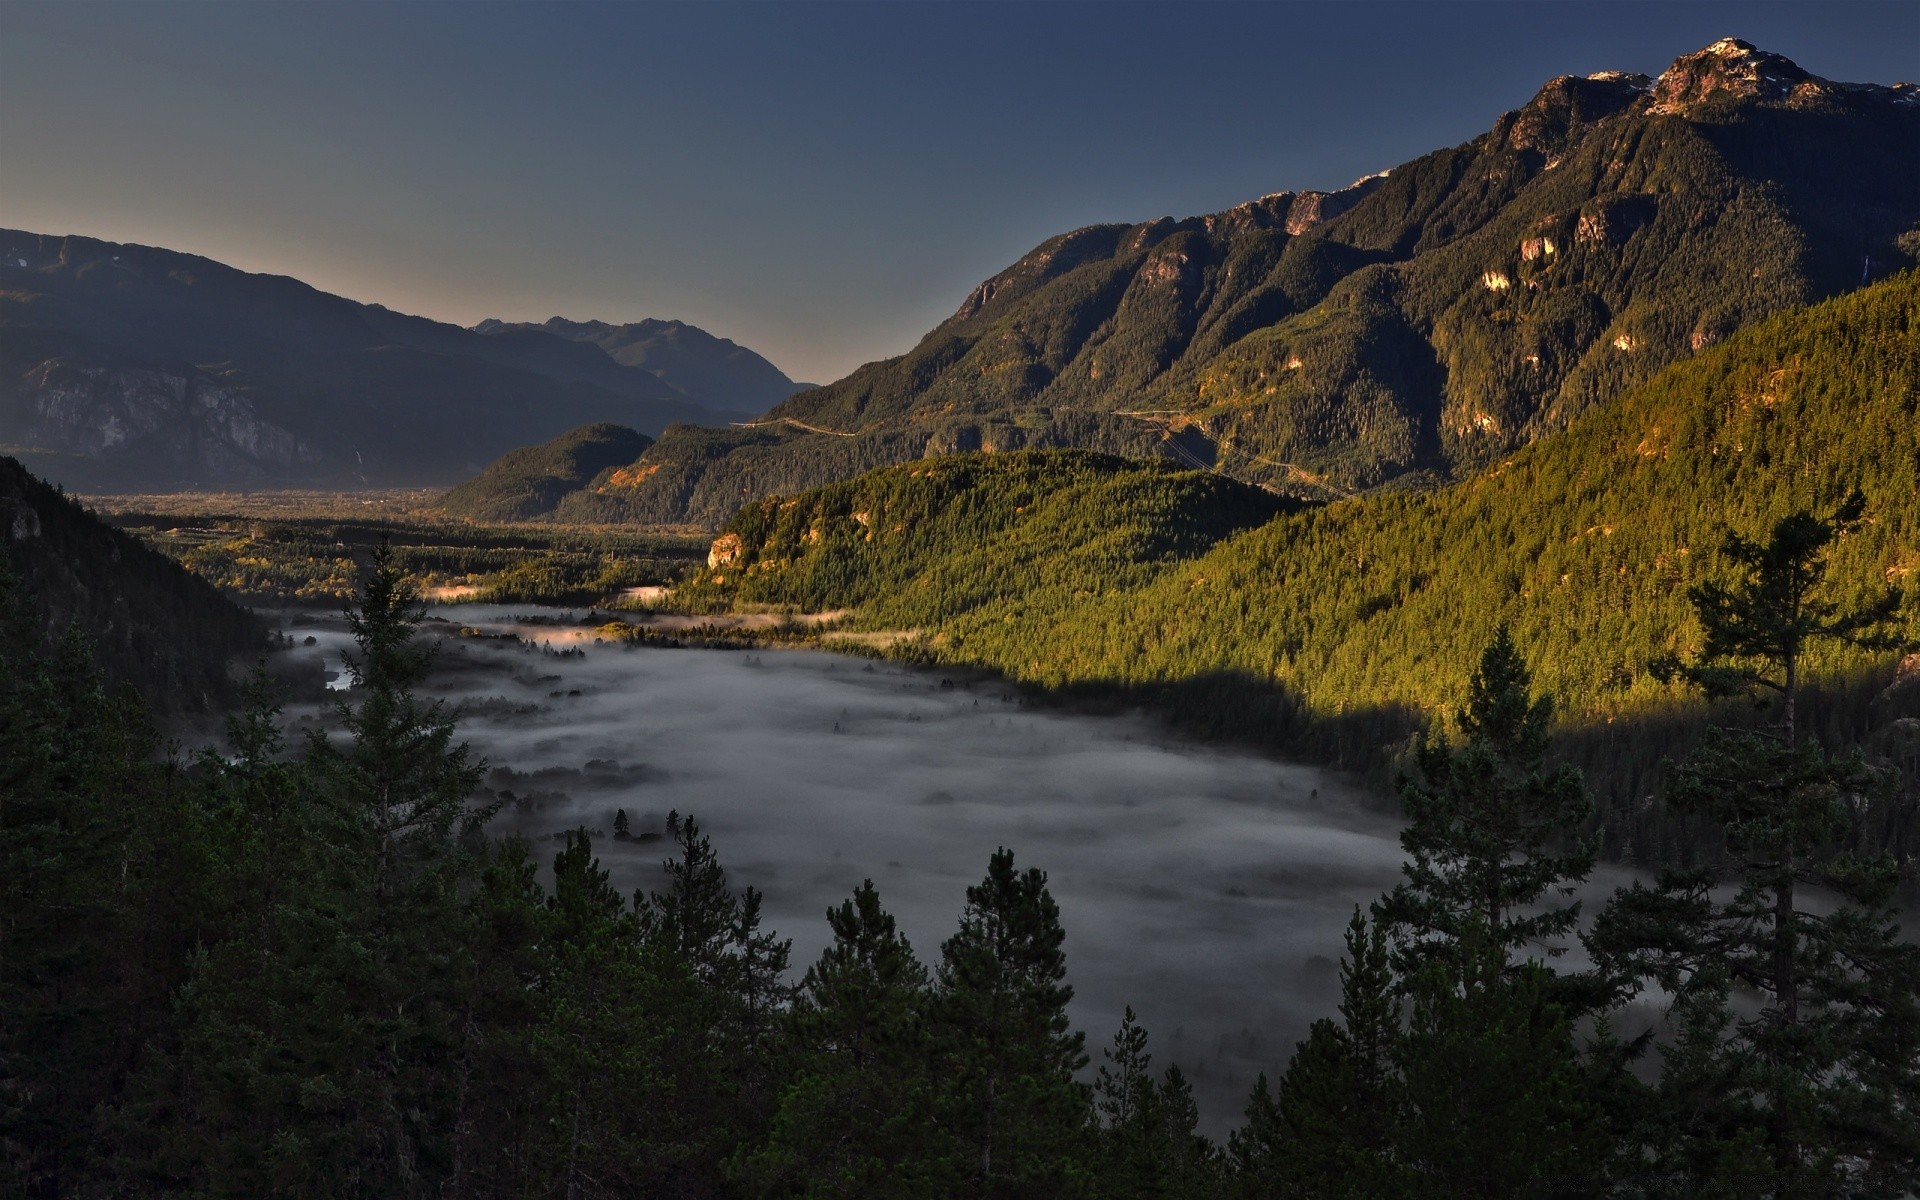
<point>152,624</point>
<point>1584,543</point>
<point>306,970</point>
<point>530,481</point>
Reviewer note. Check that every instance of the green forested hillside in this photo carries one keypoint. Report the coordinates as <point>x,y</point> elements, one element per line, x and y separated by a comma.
<point>528,482</point>
<point>1584,543</point>
<point>148,621</point>
<point>930,542</point>
<point>1419,323</point>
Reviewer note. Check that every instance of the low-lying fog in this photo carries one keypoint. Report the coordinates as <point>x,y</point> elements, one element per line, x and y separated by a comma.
<point>1208,888</point>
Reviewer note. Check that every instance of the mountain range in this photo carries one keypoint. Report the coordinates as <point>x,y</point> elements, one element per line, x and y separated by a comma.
<point>126,367</point>
<point>1408,329</point>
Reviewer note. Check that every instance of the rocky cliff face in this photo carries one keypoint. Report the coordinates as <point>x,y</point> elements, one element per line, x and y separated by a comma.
<point>1731,72</point>
<point>72,407</point>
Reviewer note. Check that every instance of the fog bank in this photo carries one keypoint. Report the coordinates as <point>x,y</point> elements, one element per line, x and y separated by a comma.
<point>1206,887</point>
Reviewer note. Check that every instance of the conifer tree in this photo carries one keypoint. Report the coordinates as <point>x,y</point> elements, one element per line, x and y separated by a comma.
<point>1006,1046</point>
<point>1491,829</point>
<point>1330,1131</point>
<point>82,958</point>
<point>1495,1100</point>
<point>853,1118</point>
<point>726,1006</point>
<point>400,770</point>
<point>1827,1072</point>
<point>1149,1144</point>
<point>314,1042</point>
<point>694,918</point>
<point>602,1041</point>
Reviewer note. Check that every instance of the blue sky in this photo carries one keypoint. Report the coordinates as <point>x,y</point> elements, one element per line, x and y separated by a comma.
<point>822,182</point>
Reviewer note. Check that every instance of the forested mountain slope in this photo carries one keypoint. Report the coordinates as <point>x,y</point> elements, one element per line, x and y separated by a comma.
<point>1421,323</point>
<point>1584,543</point>
<point>152,622</point>
<point>528,482</point>
<point>127,367</point>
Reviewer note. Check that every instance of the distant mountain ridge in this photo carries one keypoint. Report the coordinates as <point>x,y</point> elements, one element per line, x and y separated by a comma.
<point>711,371</point>
<point>1417,325</point>
<point>127,366</point>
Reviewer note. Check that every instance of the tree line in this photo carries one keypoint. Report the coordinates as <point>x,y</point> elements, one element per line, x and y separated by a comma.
<point>308,970</point>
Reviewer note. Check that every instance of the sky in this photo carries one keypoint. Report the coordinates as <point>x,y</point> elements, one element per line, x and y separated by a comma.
<point>822,182</point>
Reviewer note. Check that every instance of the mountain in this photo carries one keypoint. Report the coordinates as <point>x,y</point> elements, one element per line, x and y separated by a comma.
<point>715,373</point>
<point>1411,328</point>
<point>528,482</point>
<point>153,623</point>
<point>127,366</point>
<point>1584,544</point>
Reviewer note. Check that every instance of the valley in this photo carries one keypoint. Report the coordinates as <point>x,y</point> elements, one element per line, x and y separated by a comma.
<point>1441,653</point>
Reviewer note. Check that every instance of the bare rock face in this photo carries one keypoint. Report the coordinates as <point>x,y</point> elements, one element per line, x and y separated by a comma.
<point>100,413</point>
<point>1566,105</point>
<point>1730,68</point>
<point>25,524</point>
<point>725,551</point>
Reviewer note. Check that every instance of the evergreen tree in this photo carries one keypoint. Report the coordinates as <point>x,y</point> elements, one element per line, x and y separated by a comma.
<point>726,1006</point>
<point>84,957</point>
<point>1007,1050</point>
<point>1331,1130</point>
<point>1496,1101</point>
<point>1491,830</point>
<point>603,1039</point>
<point>853,1118</point>
<point>315,1035</point>
<point>400,772</point>
<point>1827,1072</point>
<point>695,917</point>
<point>1149,1142</point>
<point>502,1086</point>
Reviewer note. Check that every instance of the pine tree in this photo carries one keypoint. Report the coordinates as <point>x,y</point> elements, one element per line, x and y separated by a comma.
<point>1331,1130</point>
<point>1149,1142</point>
<point>85,962</point>
<point>400,771</point>
<point>1496,1101</point>
<point>1254,1149</point>
<point>732,994</point>
<point>695,917</point>
<point>316,1033</point>
<point>1828,1071</point>
<point>602,1040</point>
<point>853,1118</point>
<point>1491,829</point>
<point>1007,1048</point>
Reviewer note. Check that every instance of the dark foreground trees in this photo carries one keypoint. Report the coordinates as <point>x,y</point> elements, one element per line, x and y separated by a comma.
<point>298,971</point>
<point>1798,1072</point>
